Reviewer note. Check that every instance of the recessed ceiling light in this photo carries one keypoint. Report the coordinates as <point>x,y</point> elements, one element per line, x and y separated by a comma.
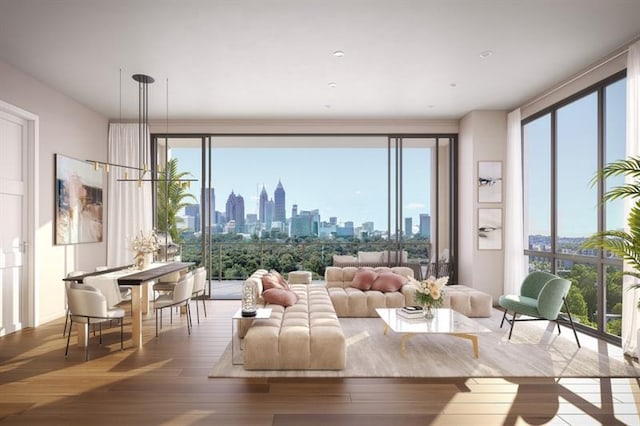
<point>327,106</point>
<point>452,85</point>
<point>332,84</point>
<point>431,106</point>
<point>338,53</point>
<point>486,54</point>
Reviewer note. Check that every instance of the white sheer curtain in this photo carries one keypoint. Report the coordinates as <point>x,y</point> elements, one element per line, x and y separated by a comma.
<point>129,208</point>
<point>514,265</point>
<point>630,321</point>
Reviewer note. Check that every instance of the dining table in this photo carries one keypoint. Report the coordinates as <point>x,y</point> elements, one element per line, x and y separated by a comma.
<point>109,281</point>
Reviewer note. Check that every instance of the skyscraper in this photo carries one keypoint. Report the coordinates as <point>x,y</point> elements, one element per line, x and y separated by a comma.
<point>425,225</point>
<point>193,211</point>
<point>269,215</point>
<point>408,226</point>
<point>368,227</point>
<point>279,213</point>
<point>262,208</point>
<point>302,225</point>
<point>235,211</point>
<point>294,210</point>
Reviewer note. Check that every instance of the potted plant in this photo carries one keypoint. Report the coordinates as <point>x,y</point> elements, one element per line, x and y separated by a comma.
<point>624,244</point>
<point>172,195</point>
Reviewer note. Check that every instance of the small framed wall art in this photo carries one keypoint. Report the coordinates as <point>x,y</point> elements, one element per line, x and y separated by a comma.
<point>489,229</point>
<point>489,181</point>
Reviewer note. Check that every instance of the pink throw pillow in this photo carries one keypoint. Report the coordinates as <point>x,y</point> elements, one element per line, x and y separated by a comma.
<point>270,281</point>
<point>283,283</point>
<point>280,296</point>
<point>364,279</point>
<point>388,282</point>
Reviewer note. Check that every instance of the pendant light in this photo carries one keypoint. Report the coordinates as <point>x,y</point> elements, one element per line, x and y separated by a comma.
<point>144,146</point>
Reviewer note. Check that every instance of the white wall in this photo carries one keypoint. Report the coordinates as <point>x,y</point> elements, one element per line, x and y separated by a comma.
<point>69,128</point>
<point>483,137</point>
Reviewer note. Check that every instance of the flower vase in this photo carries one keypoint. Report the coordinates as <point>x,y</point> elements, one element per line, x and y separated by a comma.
<point>147,259</point>
<point>142,260</point>
<point>427,310</point>
<point>138,259</point>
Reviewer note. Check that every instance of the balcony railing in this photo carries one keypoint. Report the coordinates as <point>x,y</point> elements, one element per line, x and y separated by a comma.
<point>236,260</point>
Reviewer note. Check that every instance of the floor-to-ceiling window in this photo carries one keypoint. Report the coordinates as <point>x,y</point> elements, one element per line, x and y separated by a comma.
<point>292,202</point>
<point>563,148</point>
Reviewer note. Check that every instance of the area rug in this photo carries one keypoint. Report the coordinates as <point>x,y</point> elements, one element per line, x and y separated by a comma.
<point>535,350</point>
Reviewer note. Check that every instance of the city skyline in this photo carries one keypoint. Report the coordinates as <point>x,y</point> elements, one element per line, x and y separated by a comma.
<point>338,185</point>
<point>234,211</point>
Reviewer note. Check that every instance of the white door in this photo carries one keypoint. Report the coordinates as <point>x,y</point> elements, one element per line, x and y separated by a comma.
<point>13,222</point>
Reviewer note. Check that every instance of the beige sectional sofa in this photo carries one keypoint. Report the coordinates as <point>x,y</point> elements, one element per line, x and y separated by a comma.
<point>307,335</point>
<point>304,336</point>
<point>352,302</point>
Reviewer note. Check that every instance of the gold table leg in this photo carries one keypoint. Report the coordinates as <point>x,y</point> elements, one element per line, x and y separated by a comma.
<point>473,338</point>
<point>403,342</point>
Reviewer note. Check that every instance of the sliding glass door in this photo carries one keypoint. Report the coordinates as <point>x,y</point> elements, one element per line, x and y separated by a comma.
<point>290,202</point>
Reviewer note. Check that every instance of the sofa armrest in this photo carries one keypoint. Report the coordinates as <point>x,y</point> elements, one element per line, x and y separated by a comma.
<point>409,291</point>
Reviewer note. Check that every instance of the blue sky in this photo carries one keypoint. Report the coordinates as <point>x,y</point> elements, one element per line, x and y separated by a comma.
<point>350,183</point>
<point>577,163</point>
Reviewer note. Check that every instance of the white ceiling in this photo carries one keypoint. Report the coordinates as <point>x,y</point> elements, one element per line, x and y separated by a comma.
<point>273,59</point>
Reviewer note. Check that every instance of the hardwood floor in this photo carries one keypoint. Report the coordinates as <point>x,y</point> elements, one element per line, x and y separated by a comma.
<point>166,383</point>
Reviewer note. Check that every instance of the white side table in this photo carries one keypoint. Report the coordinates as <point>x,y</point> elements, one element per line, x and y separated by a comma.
<point>237,356</point>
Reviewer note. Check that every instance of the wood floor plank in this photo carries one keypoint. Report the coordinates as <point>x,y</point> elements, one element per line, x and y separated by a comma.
<point>165,382</point>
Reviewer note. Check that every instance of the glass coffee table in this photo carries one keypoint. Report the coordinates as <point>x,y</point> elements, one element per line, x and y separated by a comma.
<point>445,321</point>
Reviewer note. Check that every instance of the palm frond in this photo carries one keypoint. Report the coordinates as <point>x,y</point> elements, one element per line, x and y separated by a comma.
<point>627,167</point>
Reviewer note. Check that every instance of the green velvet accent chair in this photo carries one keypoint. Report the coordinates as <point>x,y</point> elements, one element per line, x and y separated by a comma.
<point>542,297</point>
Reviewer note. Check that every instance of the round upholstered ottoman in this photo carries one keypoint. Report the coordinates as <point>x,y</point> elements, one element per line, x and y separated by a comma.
<point>300,277</point>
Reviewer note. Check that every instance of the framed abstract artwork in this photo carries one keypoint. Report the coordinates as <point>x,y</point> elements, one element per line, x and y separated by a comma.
<point>78,193</point>
<point>489,229</point>
<point>489,181</point>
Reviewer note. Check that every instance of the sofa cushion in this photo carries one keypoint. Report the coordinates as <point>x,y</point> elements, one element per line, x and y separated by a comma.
<point>364,278</point>
<point>388,282</point>
<point>344,259</point>
<point>370,256</point>
<point>280,278</point>
<point>270,281</point>
<point>280,296</point>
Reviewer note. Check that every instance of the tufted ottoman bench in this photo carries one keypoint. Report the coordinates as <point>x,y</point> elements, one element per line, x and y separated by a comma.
<point>468,301</point>
<point>304,336</point>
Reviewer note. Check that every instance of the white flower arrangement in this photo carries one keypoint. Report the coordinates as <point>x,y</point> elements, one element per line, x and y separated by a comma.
<point>144,244</point>
<point>430,291</point>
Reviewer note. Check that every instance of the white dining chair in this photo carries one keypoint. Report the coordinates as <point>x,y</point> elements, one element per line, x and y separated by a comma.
<point>125,291</point>
<point>66,287</point>
<point>88,306</point>
<point>180,296</point>
<point>199,280</point>
<point>166,283</point>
